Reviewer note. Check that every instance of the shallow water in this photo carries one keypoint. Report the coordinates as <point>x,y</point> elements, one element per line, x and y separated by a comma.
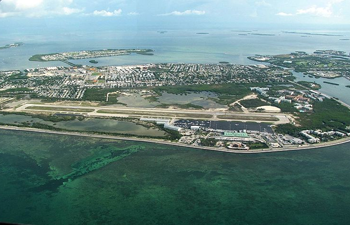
<point>341,91</point>
<point>176,46</point>
<point>203,99</point>
<point>90,124</point>
<point>118,182</point>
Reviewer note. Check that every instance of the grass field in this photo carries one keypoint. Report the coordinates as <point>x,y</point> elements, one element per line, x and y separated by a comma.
<point>147,113</point>
<point>47,108</point>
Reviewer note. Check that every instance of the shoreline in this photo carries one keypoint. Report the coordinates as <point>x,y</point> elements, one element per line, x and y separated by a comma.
<point>164,142</point>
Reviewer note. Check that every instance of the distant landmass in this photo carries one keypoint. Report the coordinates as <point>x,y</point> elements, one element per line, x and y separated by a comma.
<point>315,34</point>
<point>88,54</point>
<point>14,45</point>
<point>258,34</point>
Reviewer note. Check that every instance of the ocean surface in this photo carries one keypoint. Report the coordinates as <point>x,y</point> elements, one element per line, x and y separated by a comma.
<point>48,179</point>
<point>177,46</point>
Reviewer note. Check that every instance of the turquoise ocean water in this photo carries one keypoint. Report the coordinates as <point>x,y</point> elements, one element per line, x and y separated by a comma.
<point>68,180</point>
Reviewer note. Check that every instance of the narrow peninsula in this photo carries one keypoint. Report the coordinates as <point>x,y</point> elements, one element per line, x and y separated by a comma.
<point>88,54</point>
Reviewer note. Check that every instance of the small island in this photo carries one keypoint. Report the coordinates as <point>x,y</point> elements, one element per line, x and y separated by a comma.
<point>260,34</point>
<point>313,34</point>
<point>14,45</point>
<point>93,61</point>
<point>88,54</point>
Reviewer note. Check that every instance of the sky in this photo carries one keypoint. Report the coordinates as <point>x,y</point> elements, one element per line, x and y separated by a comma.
<point>178,12</point>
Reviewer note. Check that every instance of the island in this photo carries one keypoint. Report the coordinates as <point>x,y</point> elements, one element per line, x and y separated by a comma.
<point>328,64</point>
<point>93,61</point>
<point>261,34</point>
<point>242,108</point>
<point>14,45</point>
<point>313,34</point>
<point>88,54</point>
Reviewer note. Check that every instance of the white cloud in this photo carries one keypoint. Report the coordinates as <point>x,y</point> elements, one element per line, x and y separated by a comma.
<point>37,8</point>
<point>69,11</point>
<point>7,14</point>
<point>107,13</point>
<point>335,1</point>
<point>254,14</point>
<point>184,13</point>
<point>133,14</point>
<point>326,11</point>
<point>284,14</point>
<point>25,4</point>
<point>317,11</point>
<point>262,3</point>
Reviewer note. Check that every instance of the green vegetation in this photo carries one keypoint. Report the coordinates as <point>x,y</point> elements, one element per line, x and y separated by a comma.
<point>253,103</point>
<point>155,113</point>
<point>93,61</point>
<point>172,134</point>
<point>51,118</point>
<point>17,76</point>
<point>16,90</point>
<point>236,108</point>
<point>91,54</point>
<point>257,145</point>
<point>97,94</point>
<point>288,129</point>
<point>113,99</point>
<point>48,108</point>
<point>210,142</point>
<point>327,115</point>
<point>311,85</point>
<point>17,44</point>
<point>38,57</point>
<point>181,106</point>
<point>285,107</point>
<point>18,93</point>
<point>301,62</point>
<point>152,98</point>
<point>229,89</point>
<point>228,93</point>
